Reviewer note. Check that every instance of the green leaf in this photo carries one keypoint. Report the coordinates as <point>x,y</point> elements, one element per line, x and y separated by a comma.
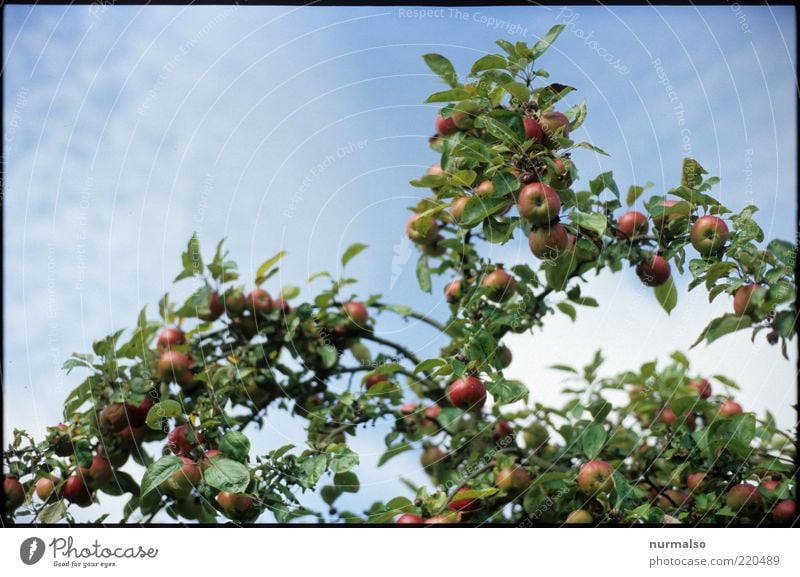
<point>594,221</point>
<point>192,260</point>
<point>428,365</point>
<point>506,391</point>
<point>227,475</point>
<point>289,292</point>
<point>442,67</point>
<point>591,147</point>
<point>478,208</point>
<point>53,513</point>
<point>159,472</point>
<point>634,192</point>
<point>424,273</point>
<point>546,41</point>
<point>344,460</point>
<point>162,410</point>
<point>448,95</point>
<point>235,445</point>
<point>329,355</point>
<point>691,173</point>
<point>722,326</point>
<point>667,295</point>
<point>78,397</point>
<point>592,441</point>
<point>518,91</point>
<point>266,266</point>
<point>346,482</point>
<point>567,309</point>
<point>392,452</point>
<point>352,251</point>
<point>604,181</point>
<point>489,62</point>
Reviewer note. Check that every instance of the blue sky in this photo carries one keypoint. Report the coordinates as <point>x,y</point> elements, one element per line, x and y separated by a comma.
<point>128,128</point>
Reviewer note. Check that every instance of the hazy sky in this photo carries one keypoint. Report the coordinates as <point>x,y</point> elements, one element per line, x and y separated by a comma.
<point>128,128</point>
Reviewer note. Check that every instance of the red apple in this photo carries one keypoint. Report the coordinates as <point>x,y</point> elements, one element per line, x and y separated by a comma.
<point>373,380</point>
<point>729,408</point>
<point>501,285</point>
<point>742,300</point>
<point>464,505</point>
<point>549,241</point>
<point>131,437</point>
<point>445,126</point>
<point>169,338</point>
<point>702,386</point>
<point>744,498</point>
<point>208,458</point>
<point>669,418</point>
<point>784,512</point>
<point>76,491</point>
<point>137,415</point>
<point>432,456</point>
<point>485,188</point>
<point>631,224</point>
<point>467,393</point>
<point>672,500</point>
<point>113,417</point>
<point>214,308</point>
<point>175,366</point>
<point>502,428</point>
<point>538,203</point>
<point>533,131</point>
<point>665,219</point>
<point>98,474</point>
<point>553,122</point>
<point>694,480</point>
<point>409,519</point>
<point>654,272</point>
<point>457,208</point>
<point>513,480</point>
<point>181,483</point>
<point>453,291</point>
<point>235,302</point>
<point>234,504</point>
<point>418,236</point>
<point>356,314</point>
<point>709,234</point>
<point>595,477</point>
<point>770,484</point>
<point>282,305</point>
<point>14,493</point>
<point>182,440</point>
<point>259,302</point>
<point>562,177</point>
<point>579,517</point>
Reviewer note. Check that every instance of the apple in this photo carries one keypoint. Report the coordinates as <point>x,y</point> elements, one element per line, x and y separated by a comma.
<point>744,498</point>
<point>235,302</point>
<point>98,474</point>
<point>694,480</point>
<point>702,386</point>
<point>595,477</point>
<point>533,130</point>
<point>208,458</point>
<point>183,439</point>
<point>76,491</point>
<point>709,234</point>
<point>538,203</point>
<point>579,517</point>
<point>174,366</point>
<point>464,505</point>
<point>445,126</point>
<point>504,355</point>
<point>453,291</point>
<point>234,504</point>
<point>409,519</point>
<point>467,393</point>
<point>432,456</point>
<point>137,414</point>
<point>440,520</point>
<point>742,300</point>
<point>181,483</point>
<point>485,188</point>
<point>784,511</point>
<point>637,393</point>
<point>729,408</point>
<point>664,220</point>
<point>631,224</point>
<point>535,436</point>
<point>282,305</point>
<point>549,241</point>
<point>501,285</point>
<point>562,177</point>
<point>356,314</point>
<point>654,272</point>
<point>14,493</point>
<point>113,417</point>
<point>373,380</point>
<point>429,421</point>
<point>60,440</point>
<point>169,338</point>
<point>418,236</point>
<point>457,208</point>
<point>672,499</point>
<point>551,121</point>
<point>669,418</point>
<point>259,302</point>
<point>770,484</point>
<point>513,480</point>
<point>131,437</point>
<point>502,428</point>
<point>435,170</point>
<point>214,308</point>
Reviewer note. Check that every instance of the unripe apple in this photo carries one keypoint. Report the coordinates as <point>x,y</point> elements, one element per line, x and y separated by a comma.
<point>535,436</point>
<point>421,237</point>
<point>457,208</point>
<point>183,439</point>
<point>14,493</point>
<point>729,408</point>
<point>409,519</point>
<point>579,517</point>
<point>702,386</point>
<point>501,285</point>
<point>76,491</point>
<point>373,380</point>
<point>538,203</point>
<point>356,314</point>
<point>453,291</point>
<point>502,428</point>
<point>432,456</point>
<point>694,480</point>
<point>596,477</point>
<point>234,504</point>
<point>513,480</point>
<point>709,234</point>
<point>742,300</point>
<point>467,393</point>
<point>464,505</point>
<point>445,126</point>
<point>181,483</point>
<point>175,366</point>
<point>533,131</point>
<point>551,121</point>
<point>169,338</point>
<point>784,511</point>
<point>632,224</point>
<point>235,302</point>
<point>744,498</point>
<point>45,486</point>
<point>504,356</point>
<point>259,302</point>
<point>215,308</point>
<point>549,241</point>
<point>654,272</point>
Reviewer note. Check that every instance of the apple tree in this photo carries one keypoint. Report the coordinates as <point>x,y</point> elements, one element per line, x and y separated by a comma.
<point>183,393</point>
